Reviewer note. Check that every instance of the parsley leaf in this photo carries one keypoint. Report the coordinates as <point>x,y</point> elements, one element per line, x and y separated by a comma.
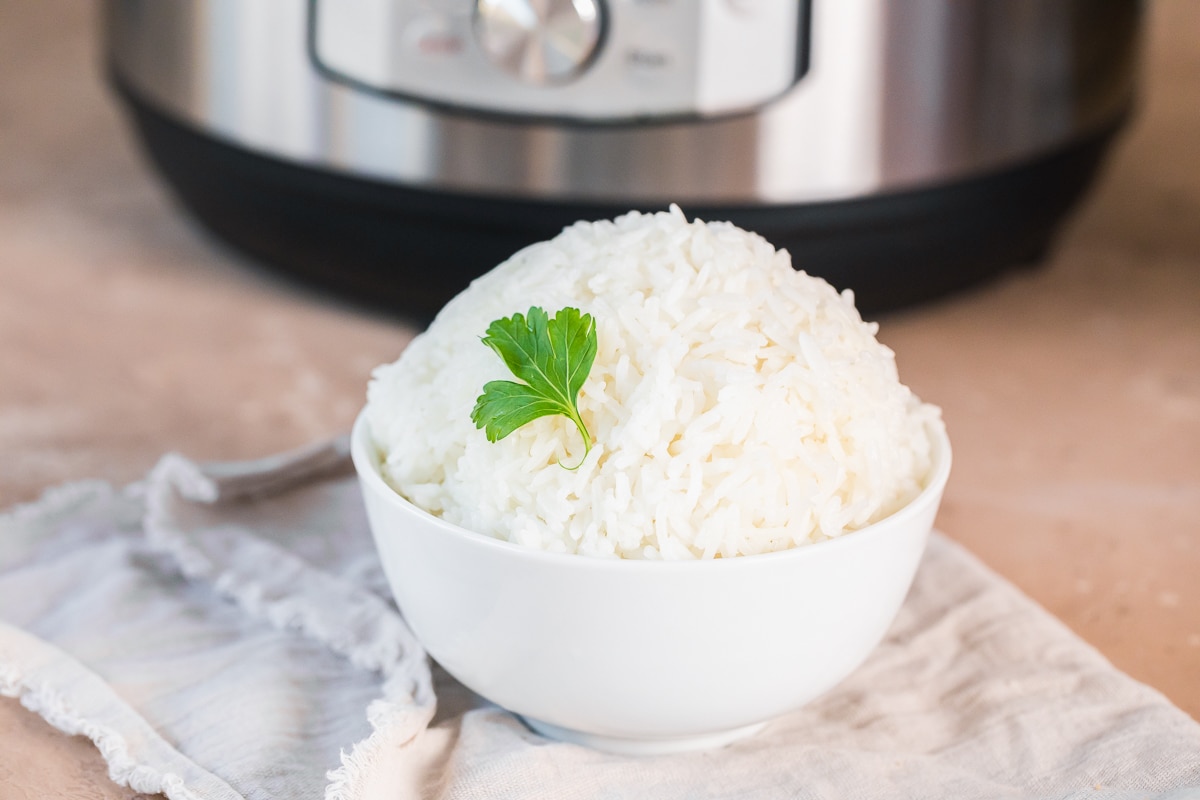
<point>552,356</point>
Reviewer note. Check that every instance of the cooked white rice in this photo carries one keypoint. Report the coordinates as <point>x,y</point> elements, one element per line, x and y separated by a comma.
<point>737,406</point>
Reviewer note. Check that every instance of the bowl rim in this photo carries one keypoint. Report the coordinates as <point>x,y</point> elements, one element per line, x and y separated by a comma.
<point>366,458</point>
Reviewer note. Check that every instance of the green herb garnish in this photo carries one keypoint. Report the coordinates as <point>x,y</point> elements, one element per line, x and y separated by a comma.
<point>552,356</point>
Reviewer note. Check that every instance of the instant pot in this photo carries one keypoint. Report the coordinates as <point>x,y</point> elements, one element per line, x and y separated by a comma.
<point>395,149</point>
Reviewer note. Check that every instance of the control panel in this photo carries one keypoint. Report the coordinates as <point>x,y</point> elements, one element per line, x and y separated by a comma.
<point>587,60</point>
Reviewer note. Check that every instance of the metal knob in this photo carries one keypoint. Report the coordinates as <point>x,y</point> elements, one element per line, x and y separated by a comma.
<point>539,41</point>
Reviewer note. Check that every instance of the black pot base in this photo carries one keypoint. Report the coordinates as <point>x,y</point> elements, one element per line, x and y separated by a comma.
<point>410,250</point>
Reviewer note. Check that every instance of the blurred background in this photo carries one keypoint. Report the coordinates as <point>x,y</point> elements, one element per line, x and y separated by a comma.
<point>1066,357</point>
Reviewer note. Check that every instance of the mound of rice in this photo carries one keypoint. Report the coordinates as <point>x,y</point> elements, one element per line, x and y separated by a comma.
<point>738,406</point>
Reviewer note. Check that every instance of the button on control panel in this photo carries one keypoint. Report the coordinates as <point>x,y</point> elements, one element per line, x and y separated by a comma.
<point>539,41</point>
<point>587,60</point>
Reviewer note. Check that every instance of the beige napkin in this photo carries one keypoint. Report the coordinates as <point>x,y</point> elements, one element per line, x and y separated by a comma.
<point>225,632</point>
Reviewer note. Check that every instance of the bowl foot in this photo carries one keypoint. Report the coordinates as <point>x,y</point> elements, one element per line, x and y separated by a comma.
<point>643,747</point>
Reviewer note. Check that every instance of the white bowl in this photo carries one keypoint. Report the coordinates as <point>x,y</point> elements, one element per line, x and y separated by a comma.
<point>645,657</point>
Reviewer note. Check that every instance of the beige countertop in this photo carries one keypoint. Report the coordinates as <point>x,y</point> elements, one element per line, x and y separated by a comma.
<point>1071,391</point>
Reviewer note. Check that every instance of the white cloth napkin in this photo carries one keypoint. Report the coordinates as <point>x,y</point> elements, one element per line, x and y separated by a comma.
<point>224,632</point>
